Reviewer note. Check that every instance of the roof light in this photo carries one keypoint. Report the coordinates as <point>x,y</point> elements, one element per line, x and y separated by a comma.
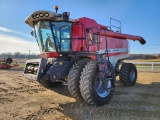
<point>56,7</point>
<point>65,16</point>
<point>68,13</point>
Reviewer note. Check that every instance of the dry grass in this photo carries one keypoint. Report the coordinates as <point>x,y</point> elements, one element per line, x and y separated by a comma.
<point>21,98</point>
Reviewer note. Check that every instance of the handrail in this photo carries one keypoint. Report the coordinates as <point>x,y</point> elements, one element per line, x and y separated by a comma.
<point>118,28</point>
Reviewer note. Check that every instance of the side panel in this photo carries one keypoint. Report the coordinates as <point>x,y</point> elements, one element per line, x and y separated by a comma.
<point>78,31</point>
<point>49,55</point>
<point>59,70</point>
<point>80,44</point>
<point>77,38</point>
<point>37,69</point>
<point>115,46</point>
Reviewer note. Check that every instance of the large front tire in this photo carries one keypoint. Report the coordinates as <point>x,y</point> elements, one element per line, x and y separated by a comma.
<point>92,88</point>
<point>74,78</point>
<point>128,74</point>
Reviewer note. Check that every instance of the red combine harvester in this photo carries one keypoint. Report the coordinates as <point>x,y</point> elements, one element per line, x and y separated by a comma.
<point>82,53</point>
<point>6,63</point>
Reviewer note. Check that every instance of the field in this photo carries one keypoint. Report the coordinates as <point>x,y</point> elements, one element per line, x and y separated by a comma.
<point>21,98</point>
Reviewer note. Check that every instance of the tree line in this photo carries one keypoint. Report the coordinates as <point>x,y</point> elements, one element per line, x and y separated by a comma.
<point>144,56</point>
<point>19,55</point>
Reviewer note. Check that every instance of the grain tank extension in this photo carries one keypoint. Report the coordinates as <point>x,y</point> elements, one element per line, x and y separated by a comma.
<point>81,52</point>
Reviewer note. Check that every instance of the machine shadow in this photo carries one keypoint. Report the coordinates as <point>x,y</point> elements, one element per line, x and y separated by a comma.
<point>62,89</point>
<point>81,110</point>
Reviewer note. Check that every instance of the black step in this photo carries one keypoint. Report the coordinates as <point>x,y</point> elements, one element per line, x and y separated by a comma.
<point>108,70</point>
<point>103,61</point>
<point>109,89</point>
<point>106,79</point>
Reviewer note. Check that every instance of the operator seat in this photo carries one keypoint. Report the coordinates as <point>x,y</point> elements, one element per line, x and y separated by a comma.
<point>49,45</point>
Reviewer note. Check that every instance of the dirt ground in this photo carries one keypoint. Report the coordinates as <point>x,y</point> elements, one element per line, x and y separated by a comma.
<point>21,98</point>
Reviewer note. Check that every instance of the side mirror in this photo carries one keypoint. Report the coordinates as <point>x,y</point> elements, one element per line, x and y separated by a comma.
<point>32,33</point>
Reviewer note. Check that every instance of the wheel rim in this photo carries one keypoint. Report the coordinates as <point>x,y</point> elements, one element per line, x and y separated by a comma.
<point>132,75</point>
<point>99,88</point>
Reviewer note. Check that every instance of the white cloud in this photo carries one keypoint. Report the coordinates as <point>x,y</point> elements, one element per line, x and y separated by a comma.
<point>6,30</point>
<point>14,44</point>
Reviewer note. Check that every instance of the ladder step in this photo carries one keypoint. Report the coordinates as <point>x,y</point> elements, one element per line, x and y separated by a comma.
<point>109,89</point>
<point>108,79</point>
<point>104,61</point>
<point>104,71</point>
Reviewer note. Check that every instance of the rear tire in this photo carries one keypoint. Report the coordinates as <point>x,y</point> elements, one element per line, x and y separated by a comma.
<point>9,60</point>
<point>91,87</point>
<point>74,78</point>
<point>128,74</point>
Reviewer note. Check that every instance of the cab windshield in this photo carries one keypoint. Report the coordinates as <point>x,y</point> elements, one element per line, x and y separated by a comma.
<point>53,36</point>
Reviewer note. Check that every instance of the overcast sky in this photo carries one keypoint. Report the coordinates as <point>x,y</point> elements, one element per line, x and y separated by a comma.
<point>138,17</point>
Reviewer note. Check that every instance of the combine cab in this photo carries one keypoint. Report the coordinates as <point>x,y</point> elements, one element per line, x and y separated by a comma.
<point>82,53</point>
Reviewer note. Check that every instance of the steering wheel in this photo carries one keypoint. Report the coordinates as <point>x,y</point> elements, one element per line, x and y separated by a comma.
<point>49,35</point>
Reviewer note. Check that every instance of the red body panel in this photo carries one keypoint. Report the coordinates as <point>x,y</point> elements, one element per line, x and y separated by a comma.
<point>49,55</point>
<point>117,43</point>
<point>5,66</point>
<point>113,41</point>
